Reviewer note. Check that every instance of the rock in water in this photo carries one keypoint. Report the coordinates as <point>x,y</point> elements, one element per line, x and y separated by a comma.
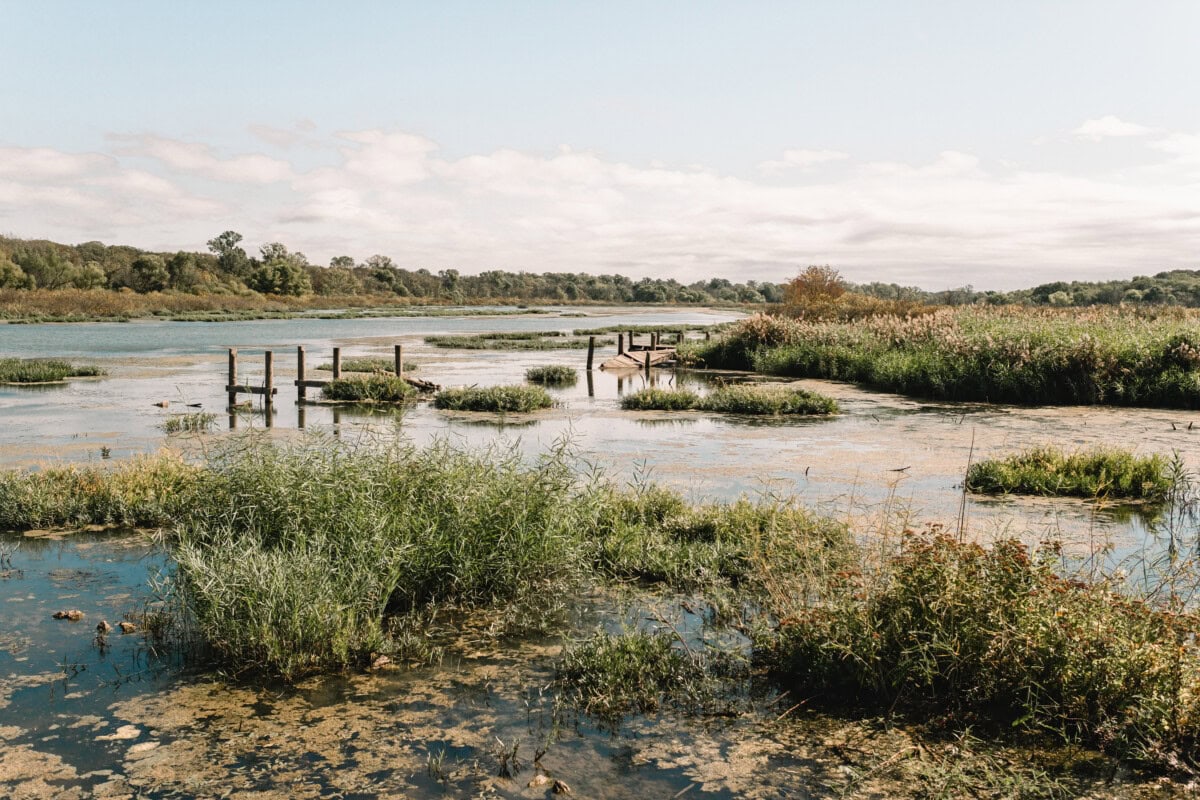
<point>561,787</point>
<point>74,615</point>
<point>103,627</point>
<point>127,627</point>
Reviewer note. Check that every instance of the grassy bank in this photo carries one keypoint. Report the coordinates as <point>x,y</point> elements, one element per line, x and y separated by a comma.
<point>745,399</point>
<point>493,398</point>
<point>1010,355</point>
<point>43,370</point>
<point>1051,472</point>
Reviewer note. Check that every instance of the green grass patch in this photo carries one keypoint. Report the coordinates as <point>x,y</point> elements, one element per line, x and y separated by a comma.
<point>43,370</point>
<point>1051,472</point>
<point>552,375</point>
<point>515,340</point>
<point>768,400</point>
<point>198,422</point>
<point>653,399</point>
<point>375,388</point>
<point>493,398</point>
<point>369,364</point>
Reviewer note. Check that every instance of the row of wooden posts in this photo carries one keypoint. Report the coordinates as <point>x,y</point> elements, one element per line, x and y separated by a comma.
<point>303,383</point>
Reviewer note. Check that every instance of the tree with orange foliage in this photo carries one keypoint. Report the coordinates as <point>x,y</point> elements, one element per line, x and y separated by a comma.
<point>814,285</point>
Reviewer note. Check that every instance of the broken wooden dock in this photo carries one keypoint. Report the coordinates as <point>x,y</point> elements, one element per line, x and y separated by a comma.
<point>639,359</point>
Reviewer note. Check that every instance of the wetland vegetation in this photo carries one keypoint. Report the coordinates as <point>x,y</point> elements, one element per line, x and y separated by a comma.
<point>1050,471</point>
<point>552,375</point>
<point>369,364</point>
<point>517,398</point>
<point>379,387</point>
<point>43,370</point>
<point>763,399</point>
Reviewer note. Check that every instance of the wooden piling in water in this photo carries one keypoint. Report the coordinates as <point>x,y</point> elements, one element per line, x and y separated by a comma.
<point>269,383</point>
<point>301,388</point>
<point>337,363</point>
<point>398,352</point>
<point>229,387</point>
<point>591,352</point>
<point>620,344</point>
<point>648,354</point>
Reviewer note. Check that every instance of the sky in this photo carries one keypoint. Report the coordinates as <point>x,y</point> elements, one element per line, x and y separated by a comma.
<point>937,143</point>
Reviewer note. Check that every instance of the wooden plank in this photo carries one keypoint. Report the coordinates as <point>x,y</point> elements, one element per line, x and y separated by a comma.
<point>311,384</point>
<point>628,361</point>
<point>239,389</point>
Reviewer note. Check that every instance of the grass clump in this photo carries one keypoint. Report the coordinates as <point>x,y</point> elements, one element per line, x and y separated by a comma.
<point>994,635</point>
<point>369,364</point>
<point>493,398</point>
<point>1049,471</point>
<point>43,370</point>
<point>143,492</point>
<point>375,388</point>
<point>768,400</point>
<point>652,399</point>
<point>512,340</point>
<point>552,375</point>
<point>198,422</point>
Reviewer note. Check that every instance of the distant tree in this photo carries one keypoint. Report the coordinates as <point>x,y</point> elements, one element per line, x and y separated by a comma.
<point>184,272</point>
<point>1059,299</point>
<point>89,276</point>
<point>341,262</point>
<point>814,285</point>
<point>333,281</point>
<point>281,272</point>
<point>231,259</point>
<point>12,276</point>
<point>149,273</point>
<point>45,266</point>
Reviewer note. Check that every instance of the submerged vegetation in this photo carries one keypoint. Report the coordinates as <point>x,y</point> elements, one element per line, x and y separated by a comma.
<point>374,388</point>
<point>1025,356</point>
<point>43,370</point>
<point>745,399</point>
<point>552,375</point>
<point>493,398</point>
<point>1097,473</point>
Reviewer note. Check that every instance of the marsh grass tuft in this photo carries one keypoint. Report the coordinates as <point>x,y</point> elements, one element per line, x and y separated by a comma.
<point>552,375</point>
<point>512,340</point>
<point>43,370</point>
<point>198,422</point>
<point>746,399</point>
<point>493,398</point>
<point>369,364</point>
<point>1049,471</point>
<point>375,388</point>
<point>654,399</point>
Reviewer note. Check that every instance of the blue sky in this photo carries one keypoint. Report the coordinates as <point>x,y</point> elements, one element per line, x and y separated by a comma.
<point>935,143</point>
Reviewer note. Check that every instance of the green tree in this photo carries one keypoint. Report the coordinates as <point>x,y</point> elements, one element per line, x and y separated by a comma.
<point>149,273</point>
<point>12,276</point>
<point>45,266</point>
<point>89,276</point>
<point>231,259</point>
<point>184,272</point>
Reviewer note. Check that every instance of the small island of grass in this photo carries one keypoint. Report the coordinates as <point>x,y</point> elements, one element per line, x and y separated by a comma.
<point>552,375</point>
<point>43,370</point>
<point>749,399</point>
<point>493,398</point>
<point>1050,472</point>
<point>376,388</point>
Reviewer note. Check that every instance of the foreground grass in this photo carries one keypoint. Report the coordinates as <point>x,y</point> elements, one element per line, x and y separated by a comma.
<point>43,370</point>
<point>1049,471</point>
<point>374,388</point>
<point>493,398</point>
<point>1009,355</point>
<point>757,400</point>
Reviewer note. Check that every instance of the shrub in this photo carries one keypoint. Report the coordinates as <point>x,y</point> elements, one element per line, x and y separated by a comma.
<point>552,375</point>
<point>375,388</point>
<point>493,398</point>
<point>1096,473</point>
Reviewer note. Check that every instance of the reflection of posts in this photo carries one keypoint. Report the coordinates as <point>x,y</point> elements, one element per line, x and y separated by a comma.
<point>269,412</point>
<point>232,419</point>
<point>620,386</point>
<point>591,384</point>
<point>648,352</point>
<point>300,417</point>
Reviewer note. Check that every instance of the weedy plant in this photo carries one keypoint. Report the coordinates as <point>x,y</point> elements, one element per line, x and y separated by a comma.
<point>43,370</point>
<point>552,375</point>
<point>198,422</point>
<point>493,398</point>
<point>375,388</point>
<point>1106,472</point>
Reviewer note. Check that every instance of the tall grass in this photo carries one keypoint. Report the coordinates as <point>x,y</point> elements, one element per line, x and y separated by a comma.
<point>552,375</point>
<point>493,398</point>
<point>374,388</point>
<point>995,635</point>
<point>1106,472</point>
<point>198,422</point>
<point>369,364</point>
<point>1011,355</point>
<point>43,370</point>
<point>746,399</point>
<point>654,399</point>
<point>512,340</point>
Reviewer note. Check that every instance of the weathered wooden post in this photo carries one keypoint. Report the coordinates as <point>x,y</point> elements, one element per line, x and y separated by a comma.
<point>269,384</point>
<point>631,340</point>
<point>231,386</point>
<point>707,335</point>
<point>654,340</point>
<point>337,363</point>
<point>648,352</point>
<point>620,344</point>
<point>398,352</point>
<point>301,389</point>
<point>591,385</point>
<point>591,353</point>
<point>678,338</point>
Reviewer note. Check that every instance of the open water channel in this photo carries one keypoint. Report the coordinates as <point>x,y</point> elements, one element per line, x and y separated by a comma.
<point>81,718</point>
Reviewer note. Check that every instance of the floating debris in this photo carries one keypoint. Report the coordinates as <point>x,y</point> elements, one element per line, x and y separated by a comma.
<point>103,627</point>
<point>74,615</point>
<point>127,627</point>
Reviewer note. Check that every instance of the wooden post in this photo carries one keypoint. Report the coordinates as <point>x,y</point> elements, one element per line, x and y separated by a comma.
<point>269,384</point>
<point>620,344</point>
<point>300,417</point>
<point>337,363</point>
<point>399,355</point>
<point>232,377</point>
<point>707,335</point>
<point>301,389</point>
<point>591,352</point>
<point>631,340</point>
<point>654,340</point>
<point>678,337</point>
<point>648,352</point>
<point>591,385</point>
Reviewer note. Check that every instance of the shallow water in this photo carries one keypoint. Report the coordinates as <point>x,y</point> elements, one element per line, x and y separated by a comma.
<point>80,719</point>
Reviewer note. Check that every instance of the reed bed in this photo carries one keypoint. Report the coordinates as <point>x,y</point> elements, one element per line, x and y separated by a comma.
<point>44,370</point>
<point>1049,471</point>
<point>552,375</point>
<point>493,398</point>
<point>1008,355</point>
<point>373,388</point>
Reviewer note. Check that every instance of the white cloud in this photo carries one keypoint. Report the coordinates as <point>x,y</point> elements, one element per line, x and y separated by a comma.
<point>947,221</point>
<point>1109,126</point>
<point>801,159</point>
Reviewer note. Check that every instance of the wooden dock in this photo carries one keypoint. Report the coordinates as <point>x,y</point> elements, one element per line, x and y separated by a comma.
<point>639,359</point>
